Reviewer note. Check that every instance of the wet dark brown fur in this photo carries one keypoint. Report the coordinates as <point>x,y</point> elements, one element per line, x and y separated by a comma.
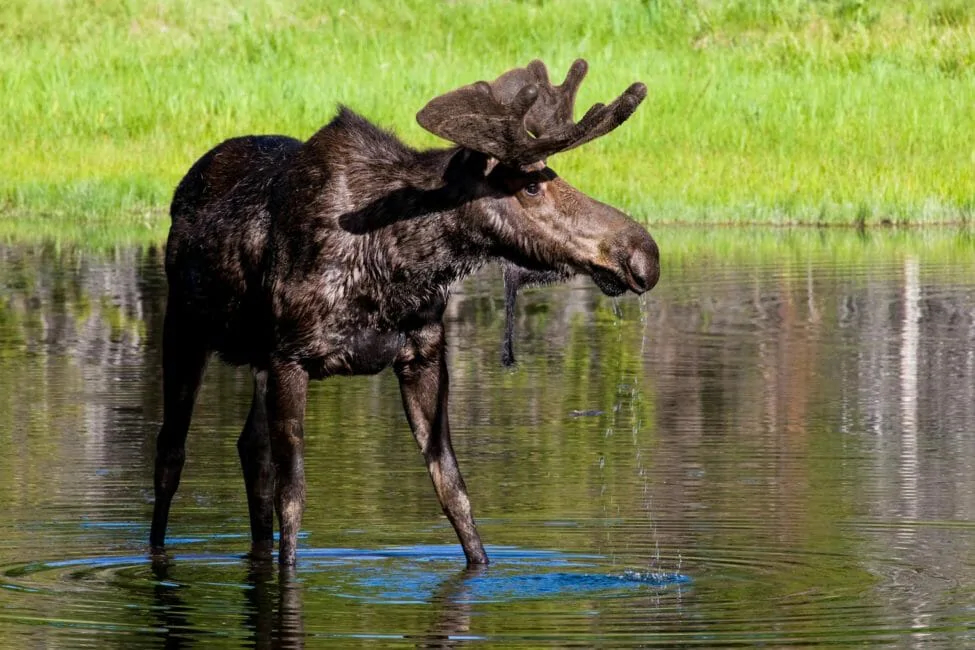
<point>336,256</point>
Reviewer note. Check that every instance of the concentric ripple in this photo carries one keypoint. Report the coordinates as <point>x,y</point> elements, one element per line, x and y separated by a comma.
<point>739,595</point>
<point>195,593</point>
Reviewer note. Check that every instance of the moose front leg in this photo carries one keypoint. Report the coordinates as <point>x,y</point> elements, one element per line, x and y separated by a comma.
<point>422,372</point>
<point>287,388</point>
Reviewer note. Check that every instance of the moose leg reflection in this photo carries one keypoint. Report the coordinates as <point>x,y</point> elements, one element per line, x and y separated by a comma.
<point>272,612</point>
<point>274,607</point>
<point>171,612</point>
<point>453,608</point>
<point>275,617</point>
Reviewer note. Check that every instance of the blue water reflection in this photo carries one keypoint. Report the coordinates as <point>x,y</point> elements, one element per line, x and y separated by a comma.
<point>416,574</point>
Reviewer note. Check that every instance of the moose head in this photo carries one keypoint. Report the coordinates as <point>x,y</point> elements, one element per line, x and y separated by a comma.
<point>544,223</point>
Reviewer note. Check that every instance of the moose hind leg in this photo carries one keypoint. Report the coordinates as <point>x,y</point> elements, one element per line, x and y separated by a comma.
<point>254,449</point>
<point>184,360</point>
<point>287,388</point>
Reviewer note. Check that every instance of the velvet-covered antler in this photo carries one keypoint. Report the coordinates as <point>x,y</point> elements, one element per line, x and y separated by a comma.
<point>521,118</point>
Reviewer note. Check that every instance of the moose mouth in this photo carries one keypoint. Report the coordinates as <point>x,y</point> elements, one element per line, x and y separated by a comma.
<point>609,282</point>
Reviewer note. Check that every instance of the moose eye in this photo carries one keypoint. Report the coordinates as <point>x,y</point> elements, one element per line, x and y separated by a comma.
<point>532,189</point>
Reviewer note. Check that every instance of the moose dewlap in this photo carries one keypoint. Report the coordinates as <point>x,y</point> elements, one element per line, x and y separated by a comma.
<point>335,256</point>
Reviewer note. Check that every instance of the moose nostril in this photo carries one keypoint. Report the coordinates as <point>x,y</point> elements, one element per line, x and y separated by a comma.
<point>644,268</point>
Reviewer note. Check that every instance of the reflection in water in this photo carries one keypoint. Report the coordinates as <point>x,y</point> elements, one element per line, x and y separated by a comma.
<point>910,336</point>
<point>275,614</point>
<point>452,603</point>
<point>272,607</point>
<point>168,606</point>
<point>790,421</point>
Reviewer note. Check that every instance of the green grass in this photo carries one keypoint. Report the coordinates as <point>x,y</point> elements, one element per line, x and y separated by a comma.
<point>774,112</point>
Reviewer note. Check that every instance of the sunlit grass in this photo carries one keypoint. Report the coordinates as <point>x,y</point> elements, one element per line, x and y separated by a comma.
<point>780,112</point>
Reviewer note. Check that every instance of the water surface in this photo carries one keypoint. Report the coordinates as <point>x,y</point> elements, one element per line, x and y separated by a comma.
<point>774,447</point>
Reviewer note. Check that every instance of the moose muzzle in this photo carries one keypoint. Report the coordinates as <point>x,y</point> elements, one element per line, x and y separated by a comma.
<point>642,267</point>
<point>630,261</point>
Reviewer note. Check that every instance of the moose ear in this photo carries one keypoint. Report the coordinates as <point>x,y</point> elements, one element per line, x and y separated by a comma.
<point>489,165</point>
<point>480,164</point>
<point>472,163</point>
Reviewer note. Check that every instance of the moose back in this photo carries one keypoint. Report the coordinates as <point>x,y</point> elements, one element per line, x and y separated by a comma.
<point>335,256</point>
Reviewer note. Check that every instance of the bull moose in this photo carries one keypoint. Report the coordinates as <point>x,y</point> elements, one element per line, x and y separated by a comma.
<point>335,256</point>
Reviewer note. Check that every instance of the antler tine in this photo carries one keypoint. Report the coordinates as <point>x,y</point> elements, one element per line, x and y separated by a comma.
<point>556,103</point>
<point>520,118</point>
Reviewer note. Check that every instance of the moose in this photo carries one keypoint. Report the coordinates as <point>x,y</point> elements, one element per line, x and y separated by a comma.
<point>335,256</point>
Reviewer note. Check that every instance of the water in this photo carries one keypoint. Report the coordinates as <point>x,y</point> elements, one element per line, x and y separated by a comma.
<point>775,447</point>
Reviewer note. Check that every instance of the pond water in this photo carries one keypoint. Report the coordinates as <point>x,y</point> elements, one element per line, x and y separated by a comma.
<point>774,447</point>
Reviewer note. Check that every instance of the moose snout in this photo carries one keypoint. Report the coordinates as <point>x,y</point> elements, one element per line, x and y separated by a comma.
<point>642,267</point>
<point>631,261</point>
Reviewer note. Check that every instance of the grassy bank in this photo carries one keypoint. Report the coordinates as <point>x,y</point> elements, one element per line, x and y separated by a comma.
<point>833,112</point>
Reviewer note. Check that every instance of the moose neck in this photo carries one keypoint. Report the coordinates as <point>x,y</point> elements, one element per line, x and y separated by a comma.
<point>393,221</point>
<point>418,211</point>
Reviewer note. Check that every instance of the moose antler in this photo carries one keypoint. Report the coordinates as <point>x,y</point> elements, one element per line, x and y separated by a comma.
<point>521,117</point>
